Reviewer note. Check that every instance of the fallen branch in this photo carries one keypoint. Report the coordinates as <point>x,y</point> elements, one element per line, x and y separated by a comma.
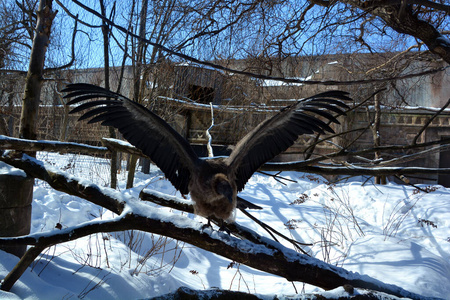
<point>297,166</point>
<point>417,155</point>
<point>9,143</point>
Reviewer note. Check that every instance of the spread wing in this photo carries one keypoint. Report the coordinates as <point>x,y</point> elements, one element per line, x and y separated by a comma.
<point>138,125</point>
<point>276,134</point>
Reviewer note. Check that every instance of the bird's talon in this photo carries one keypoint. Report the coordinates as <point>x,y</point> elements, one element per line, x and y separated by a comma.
<point>224,227</point>
<point>208,225</point>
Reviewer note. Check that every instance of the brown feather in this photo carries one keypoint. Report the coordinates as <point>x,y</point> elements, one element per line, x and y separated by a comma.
<point>204,192</point>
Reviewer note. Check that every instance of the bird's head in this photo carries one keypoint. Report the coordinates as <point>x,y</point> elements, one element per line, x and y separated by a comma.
<point>223,187</point>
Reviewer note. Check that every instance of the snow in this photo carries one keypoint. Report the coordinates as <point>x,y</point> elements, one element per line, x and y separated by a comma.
<point>7,169</point>
<point>230,108</point>
<point>198,65</point>
<point>393,233</point>
<point>275,82</point>
<point>428,268</point>
<point>7,139</point>
<point>120,142</point>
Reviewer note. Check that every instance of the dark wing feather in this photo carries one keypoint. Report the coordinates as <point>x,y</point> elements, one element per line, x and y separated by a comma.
<point>142,128</point>
<point>278,133</point>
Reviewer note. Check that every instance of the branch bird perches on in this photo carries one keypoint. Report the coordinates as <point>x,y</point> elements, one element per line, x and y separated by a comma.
<point>212,183</point>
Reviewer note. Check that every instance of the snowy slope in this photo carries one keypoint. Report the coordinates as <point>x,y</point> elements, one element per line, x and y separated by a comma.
<point>394,233</point>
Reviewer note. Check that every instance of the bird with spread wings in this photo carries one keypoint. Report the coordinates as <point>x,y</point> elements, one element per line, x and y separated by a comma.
<point>212,183</point>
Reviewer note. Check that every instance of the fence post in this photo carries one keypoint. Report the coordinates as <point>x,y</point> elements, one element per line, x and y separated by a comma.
<point>16,195</point>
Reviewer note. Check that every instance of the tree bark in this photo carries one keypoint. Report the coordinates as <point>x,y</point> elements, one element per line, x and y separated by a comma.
<point>34,79</point>
<point>16,194</point>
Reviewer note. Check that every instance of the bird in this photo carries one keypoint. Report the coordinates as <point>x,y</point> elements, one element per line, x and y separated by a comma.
<point>213,183</point>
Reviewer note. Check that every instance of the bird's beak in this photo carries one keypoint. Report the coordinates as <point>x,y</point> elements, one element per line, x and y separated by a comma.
<point>224,188</point>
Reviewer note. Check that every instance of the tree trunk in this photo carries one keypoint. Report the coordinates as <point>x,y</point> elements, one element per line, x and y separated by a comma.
<point>17,191</point>
<point>137,80</point>
<point>112,133</point>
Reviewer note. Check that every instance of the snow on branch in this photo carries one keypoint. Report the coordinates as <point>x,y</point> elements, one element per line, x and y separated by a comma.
<point>7,142</point>
<point>110,145</point>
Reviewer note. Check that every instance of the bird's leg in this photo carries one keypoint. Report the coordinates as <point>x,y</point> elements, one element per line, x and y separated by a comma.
<point>223,227</point>
<point>208,225</point>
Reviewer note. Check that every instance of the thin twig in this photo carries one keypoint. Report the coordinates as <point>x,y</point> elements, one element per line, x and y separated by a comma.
<point>208,134</point>
<point>414,142</point>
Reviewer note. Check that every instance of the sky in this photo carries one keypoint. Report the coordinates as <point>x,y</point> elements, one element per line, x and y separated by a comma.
<point>247,39</point>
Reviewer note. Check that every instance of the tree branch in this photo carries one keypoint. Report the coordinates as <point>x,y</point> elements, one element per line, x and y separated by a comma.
<point>274,259</point>
<point>250,74</point>
<point>425,3</point>
<point>7,142</point>
<point>358,171</point>
<point>72,59</point>
<point>301,166</point>
<point>429,121</point>
<point>403,20</point>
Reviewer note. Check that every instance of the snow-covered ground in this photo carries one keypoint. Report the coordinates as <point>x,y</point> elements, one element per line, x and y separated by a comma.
<point>395,233</point>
